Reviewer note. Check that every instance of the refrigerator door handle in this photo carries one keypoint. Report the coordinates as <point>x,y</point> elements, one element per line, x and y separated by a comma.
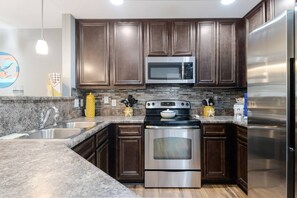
<point>290,176</point>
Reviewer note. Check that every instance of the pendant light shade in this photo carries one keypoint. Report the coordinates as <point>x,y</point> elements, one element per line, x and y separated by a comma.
<point>41,45</point>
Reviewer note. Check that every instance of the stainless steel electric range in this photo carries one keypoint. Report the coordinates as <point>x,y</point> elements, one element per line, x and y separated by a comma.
<point>172,146</point>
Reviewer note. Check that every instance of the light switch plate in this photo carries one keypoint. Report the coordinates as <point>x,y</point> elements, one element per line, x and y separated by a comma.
<point>113,103</point>
<point>76,103</point>
<point>106,100</point>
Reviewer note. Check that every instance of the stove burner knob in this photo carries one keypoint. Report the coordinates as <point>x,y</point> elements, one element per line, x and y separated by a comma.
<point>148,104</point>
<point>182,104</point>
<point>153,104</point>
<point>187,104</point>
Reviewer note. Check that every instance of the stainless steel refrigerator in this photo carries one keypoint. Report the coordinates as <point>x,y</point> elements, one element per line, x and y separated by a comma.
<point>271,120</point>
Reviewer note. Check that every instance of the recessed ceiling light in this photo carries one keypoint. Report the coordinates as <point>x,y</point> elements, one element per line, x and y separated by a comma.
<point>227,2</point>
<point>117,2</point>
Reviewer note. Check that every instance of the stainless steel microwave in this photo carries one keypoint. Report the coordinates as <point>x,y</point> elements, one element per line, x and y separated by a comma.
<point>163,70</point>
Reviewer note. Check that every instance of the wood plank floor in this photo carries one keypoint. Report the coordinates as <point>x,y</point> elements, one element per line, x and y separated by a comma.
<point>207,191</point>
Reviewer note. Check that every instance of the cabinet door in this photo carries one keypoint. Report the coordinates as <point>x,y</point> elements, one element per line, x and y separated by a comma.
<point>130,159</point>
<point>206,53</point>
<point>255,18</point>
<point>226,53</point>
<point>127,53</point>
<point>183,40</point>
<point>242,164</point>
<point>157,38</point>
<point>86,148</point>
<point>214,158</point>
<point>92,159</point>
<point>93,54</point>
<point>102,157</point>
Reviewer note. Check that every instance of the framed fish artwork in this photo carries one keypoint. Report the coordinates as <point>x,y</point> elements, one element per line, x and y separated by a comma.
<point>9,70</point>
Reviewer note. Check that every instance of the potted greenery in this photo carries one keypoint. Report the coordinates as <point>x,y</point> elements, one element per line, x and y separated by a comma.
<point>129,102</point>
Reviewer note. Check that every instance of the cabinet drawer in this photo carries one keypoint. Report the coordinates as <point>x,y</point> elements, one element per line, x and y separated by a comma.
<point>214,130</point>
<point>241,133</point>
<point>101,136</point>
<point>129,130</point>
<point>86,148</point>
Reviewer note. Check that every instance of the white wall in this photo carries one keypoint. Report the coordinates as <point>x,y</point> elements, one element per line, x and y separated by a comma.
<point>34,68</point>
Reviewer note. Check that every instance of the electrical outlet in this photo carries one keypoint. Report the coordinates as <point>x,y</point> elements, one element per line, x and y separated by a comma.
<point>81,102</point>
<point>76,103</point>
<point>113,103</point>
<point>106,100</point>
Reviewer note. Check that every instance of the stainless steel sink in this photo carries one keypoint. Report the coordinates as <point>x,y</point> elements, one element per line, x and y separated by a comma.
<point>85,125</point>
<point>53,133</point>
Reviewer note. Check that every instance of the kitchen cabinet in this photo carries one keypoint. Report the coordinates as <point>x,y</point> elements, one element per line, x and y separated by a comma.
<point>206,50</point>
<point>127,53</point>
<point>255,18</point>
<point>217,53</point>
<point>93,54</point>
<point>170,38</point>
<point>241,156</point>
<point>109,54</point>
<point>102,150</point>
<point>129,153</point>
<point>215,153</point>
<point>96,150</point>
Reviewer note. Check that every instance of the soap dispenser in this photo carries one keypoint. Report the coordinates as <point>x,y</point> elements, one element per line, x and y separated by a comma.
<point>90,106</point>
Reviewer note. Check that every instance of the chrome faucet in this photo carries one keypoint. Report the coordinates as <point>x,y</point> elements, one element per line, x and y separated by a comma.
<point>45,114</point>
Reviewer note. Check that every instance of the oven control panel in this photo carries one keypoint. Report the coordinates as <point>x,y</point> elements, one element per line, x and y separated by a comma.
<point>169,104</point>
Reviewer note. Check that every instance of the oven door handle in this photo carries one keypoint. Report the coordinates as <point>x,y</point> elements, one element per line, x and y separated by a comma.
<point>172,127</point>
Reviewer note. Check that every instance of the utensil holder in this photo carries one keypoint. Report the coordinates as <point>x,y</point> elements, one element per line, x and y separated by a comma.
<point>128,112</point>
<point>208,111</point>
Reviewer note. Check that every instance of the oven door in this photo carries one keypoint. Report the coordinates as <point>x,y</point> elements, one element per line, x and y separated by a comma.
<point>172,148</point>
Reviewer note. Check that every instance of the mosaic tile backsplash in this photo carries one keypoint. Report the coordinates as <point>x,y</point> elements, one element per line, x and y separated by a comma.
<point>224,98</point>
<point>19,114</point>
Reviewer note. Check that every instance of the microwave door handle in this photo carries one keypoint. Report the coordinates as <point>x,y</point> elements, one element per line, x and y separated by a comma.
<point>183,71</point>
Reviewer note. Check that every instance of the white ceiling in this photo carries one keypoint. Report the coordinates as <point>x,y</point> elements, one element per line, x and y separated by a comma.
<point>27,13</point>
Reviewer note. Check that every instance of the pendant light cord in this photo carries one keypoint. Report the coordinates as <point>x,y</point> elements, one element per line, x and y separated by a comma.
<point>42,20</point>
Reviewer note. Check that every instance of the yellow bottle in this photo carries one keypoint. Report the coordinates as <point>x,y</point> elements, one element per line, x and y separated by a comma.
<point>90,106</point>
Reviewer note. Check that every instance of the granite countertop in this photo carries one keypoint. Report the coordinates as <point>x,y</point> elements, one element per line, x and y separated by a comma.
<point>49,168</point>
<point>224,119</point>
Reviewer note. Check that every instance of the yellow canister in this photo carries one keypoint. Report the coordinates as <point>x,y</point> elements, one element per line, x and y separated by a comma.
<point>90,106</point>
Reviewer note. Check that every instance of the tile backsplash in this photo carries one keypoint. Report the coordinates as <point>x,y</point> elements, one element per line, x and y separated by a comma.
<point>224,98</point>
<point>19,114</point>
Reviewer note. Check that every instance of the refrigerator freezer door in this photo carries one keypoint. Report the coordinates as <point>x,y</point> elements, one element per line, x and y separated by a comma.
<point>270,48</point>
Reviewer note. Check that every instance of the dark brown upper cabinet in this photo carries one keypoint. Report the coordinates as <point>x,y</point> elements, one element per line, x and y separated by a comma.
<point>127,53</point>
<point>170,38</point>
<point>109,54</point>
<point>157,38</point>
<point>93,54</point>
<point>255,18</point>
<point>216,53</point>
<point>226,53</point>
<point>206,50</point>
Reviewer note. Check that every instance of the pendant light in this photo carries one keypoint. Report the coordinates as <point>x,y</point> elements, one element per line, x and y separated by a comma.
<point>41,45</point>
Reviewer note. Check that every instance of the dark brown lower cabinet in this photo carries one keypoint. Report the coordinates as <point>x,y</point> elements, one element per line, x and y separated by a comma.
<point>215,153</point>
<point>95,149</point>
<point>102,157</point>
<point>130,153</point>
<point>241,153</point>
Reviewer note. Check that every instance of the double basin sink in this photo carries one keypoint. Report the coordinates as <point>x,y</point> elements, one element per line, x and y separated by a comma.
<point>63,131</point>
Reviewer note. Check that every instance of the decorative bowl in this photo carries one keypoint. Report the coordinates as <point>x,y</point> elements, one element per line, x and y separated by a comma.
<point>167,114</point>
